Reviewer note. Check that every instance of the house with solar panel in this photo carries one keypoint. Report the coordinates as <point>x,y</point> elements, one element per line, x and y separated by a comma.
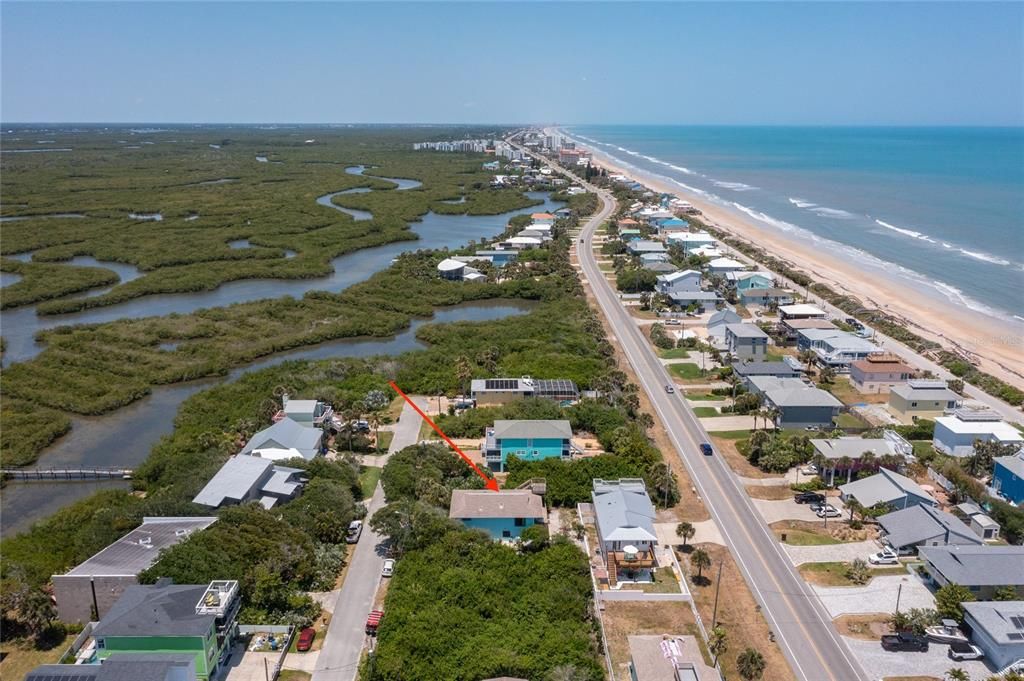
<point>982,569</point>
<point>526,439</point>
<point>487,392</point>
<point>997,627</point>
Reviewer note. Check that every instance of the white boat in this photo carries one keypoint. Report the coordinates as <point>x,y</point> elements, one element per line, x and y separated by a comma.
<point>947,632</point>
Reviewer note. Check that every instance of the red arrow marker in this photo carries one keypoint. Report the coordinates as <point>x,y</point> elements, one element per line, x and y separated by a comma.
<point>489,482</point>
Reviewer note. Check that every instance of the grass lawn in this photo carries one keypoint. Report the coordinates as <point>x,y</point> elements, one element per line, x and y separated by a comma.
<point>834,574</point>
<point>848,420</point>
<point>21,657</point>
<point>730,434</point>
<point>368,478</point>
<point>427,433</point>
<point>847,394</point>
<point>674,353</point>
<point>922,447</point>
<point>664,583</point>
<point>294,675</point>
<point>706,397</point>
<point>687,371</point>
<point>707,411</point>
<point>806,538</point>
<point>384,439</point>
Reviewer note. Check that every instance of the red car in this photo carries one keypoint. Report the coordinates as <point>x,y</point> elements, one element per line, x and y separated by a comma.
<point>305,641</point>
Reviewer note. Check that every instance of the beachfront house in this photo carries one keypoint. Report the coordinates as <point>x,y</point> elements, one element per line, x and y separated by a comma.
<point>847,454</point>
<point>245,478</point>
<point>835,348</point>
<point>746,341</point>
<point>790,328</point>
<point>798,405</point>
<point>624,516</point>
<point>879,373</point>
<point>686,280</point>
<point>801,311</point>
<point>1008,477</point>
<point>724,265</point>
<point>193,619</point>
<point>997,627</point>
<point>670,225</point>
<point>487,392</point>
<point>690,240</point>
<point>286,439</point>
<point>766,297</point>
<point>921,398</point>
<point>982,569</point>
<point>88,591</point>
<point>744,280</point>
<point>909,529</point>
<point>955,434</point>
<point>503,514</point>
<point>886,487</point>
<point>709,252</point>
<point>529,440</point>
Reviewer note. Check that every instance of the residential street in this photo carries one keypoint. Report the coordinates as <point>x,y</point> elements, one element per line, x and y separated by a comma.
<point>343,643</point>
<point>801,625</point>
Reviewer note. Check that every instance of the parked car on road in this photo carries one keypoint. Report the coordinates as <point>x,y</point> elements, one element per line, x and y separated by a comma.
<point>961,650</point>
<point>373,621</point>
<point>884,557</point>
<point>809,498</point>
<point>809,469</point>
<point>669,389</point>
<point>905,641</point>
<point>355,528</point>
<point>389,568</point>
<point>305,640</point>
<point>828,511</point>
<point>672,322</point>
<point>706,449</point>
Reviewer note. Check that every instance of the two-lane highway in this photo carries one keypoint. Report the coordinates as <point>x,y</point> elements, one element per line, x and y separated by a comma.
<point>801,625</point>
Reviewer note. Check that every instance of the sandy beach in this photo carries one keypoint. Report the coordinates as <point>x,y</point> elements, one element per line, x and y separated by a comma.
<point>996,345</point>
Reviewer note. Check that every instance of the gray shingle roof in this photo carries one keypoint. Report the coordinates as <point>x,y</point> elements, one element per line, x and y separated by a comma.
<point>117,667</point>
<point>996,619</point>
<point>853,447</point>
<point>978,565</point>
<point>532,429</point>
<point>287,434</point>
<point>156,610</point>
<point>764,369</point>
<point>745,331</point>
<point>884,487</point>
<point>723,317</point>
<point>918,523</point>
<point>624,511</point>
<point>513,503</point>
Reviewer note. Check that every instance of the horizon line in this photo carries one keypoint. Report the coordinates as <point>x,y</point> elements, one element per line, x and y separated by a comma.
<point>511,124</point>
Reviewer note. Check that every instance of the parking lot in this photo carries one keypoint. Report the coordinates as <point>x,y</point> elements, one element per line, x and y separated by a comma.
<point>878,595</point>
<point>787,509</point>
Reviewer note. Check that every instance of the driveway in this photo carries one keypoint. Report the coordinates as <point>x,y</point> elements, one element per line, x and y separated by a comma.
<point>249,666</point>
<point>879,663</point>
<point>787,509</point>
<point>878,595</point>
<point>343,643</point>
<point>706,532</point>
<point>844,553</point>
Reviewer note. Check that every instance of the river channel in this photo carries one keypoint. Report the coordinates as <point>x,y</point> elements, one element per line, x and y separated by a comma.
<point>125,437</point>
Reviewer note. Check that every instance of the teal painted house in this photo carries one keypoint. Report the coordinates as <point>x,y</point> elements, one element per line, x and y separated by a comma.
<point>503,515</point>
<point>527,440</point>
<point>166,618</point>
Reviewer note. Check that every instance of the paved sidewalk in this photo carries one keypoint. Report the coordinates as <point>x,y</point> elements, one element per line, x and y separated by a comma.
<point>625,595</point>
<point>829,553</point>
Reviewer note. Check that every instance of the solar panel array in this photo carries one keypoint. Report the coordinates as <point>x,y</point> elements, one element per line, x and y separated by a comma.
<point>61,676</point>
<point>1018,621</point>
<point>501,383</point>
<point>557,387</point>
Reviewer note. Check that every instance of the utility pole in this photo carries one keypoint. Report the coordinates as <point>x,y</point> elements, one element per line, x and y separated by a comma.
<point>899,592</point>
<point>718,585</point>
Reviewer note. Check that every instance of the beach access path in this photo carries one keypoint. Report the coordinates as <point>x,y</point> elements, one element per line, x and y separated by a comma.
<point>343,642</point>
<point>802,626</point>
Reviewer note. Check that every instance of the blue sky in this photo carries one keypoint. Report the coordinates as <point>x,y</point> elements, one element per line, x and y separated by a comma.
<point>704,63</point>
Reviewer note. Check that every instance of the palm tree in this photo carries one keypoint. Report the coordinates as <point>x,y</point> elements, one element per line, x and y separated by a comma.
<point>868,459</point>
<point>773,414</point>
<point>854,505</point>
<point>807,356</point>
<point>685,531</point>
<point>349,417</point>
<point>662,479</point>
<point>718,643</point>
<point>464,372</point>
<point>375,421</point>
<point>750,664</point>
<point>700,560</point>
<point>957,674</point>
<point>846,463</point>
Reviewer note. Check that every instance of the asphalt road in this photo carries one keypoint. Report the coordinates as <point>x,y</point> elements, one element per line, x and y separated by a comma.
<point>801,625</point>
<point>339,656</point>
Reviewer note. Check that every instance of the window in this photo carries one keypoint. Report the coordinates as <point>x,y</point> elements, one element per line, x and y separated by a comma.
<point>506,534</point>
<point>975,589</point>
<point>101,644</point>
<point>520,522</point>
<point>913,404</point>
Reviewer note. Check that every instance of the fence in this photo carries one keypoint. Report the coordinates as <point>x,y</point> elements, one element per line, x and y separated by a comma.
<point>597,600</point>
<point>72,652</point>
<point>940,478</point>
<point>273,629</point>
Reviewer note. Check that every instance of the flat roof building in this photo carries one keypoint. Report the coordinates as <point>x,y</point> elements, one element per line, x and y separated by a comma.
<point>88,591</point>
<point>488,391</point>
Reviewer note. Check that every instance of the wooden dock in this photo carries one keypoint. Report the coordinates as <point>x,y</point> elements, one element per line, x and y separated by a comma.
<point>70,474</point>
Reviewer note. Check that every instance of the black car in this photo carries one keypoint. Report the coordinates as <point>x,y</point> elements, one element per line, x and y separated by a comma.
<point>809,498</point>
<point>705,449</point>
<point>905,641</point>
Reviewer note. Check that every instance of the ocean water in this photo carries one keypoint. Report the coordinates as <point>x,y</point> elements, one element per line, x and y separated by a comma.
<point>940,207</point>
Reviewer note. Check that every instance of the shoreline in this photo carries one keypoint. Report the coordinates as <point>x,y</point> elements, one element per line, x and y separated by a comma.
<point>994,344</point>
